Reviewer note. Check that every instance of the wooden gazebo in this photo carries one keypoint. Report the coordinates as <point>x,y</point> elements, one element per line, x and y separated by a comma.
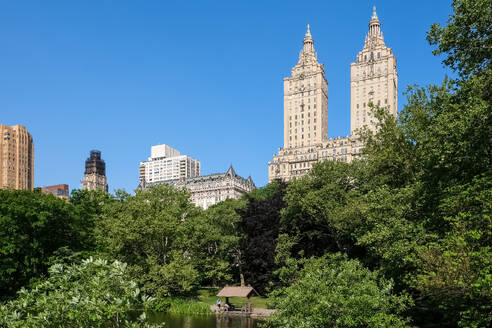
<point>230,291</point>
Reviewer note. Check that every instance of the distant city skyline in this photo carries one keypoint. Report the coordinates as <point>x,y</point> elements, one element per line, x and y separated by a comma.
<point>205,78</point>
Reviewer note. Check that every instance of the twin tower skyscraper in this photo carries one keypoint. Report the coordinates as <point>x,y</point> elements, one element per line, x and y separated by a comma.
<point>373,80</point>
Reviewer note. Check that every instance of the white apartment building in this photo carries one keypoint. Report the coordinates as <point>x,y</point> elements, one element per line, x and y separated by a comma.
<point>166,163</point>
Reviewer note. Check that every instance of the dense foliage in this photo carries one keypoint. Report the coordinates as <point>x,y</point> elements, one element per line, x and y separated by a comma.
<point>171,246</point>
<point>332,291</point>
<point>91,294</point>
<point>32,227</point>
<point>148,232</point>
<point>260,226</point>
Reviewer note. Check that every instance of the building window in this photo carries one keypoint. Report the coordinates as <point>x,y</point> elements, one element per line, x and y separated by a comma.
<point>357,106</point>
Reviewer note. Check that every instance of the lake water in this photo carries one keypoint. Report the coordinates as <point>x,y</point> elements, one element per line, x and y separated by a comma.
<point>205,321</point>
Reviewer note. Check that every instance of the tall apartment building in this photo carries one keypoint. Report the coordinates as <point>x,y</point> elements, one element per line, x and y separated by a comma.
<point>16,158</point>
<point>373,80</point>
<point>306,100</point>
<point>166,163</point>
<point>95,173</point>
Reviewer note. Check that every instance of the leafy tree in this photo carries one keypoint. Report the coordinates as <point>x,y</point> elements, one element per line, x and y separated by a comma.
<point>213,240</point>
<point>315,215</point>
<point>260,225</point>
<point>333,291</point>
<point>32,227</point>
<point>455,272</point>
<point>148,231</point>
<point>89,206</point>
<point>91,294</point>
<point>465,40</point>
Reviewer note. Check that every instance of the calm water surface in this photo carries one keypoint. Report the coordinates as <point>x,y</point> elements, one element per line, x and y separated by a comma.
<point>204,321</point>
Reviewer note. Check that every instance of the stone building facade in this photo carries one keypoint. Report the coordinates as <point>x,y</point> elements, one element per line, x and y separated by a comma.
<point>16,158</point>
<point>208,190</point>
<point>306,100</point>
<point>295,162</point>
<point>95,173</point>
<point>373,80</point>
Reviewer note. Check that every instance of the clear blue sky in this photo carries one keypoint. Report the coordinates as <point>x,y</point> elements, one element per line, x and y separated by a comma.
<point>202,76</point>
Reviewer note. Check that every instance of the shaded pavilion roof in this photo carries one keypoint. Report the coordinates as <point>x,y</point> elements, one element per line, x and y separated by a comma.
<point>230,291</point>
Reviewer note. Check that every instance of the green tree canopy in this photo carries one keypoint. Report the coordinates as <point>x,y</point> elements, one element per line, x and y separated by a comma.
<point>149,232</point>
<point>32,227</point>
<point>333,291</point>
<point>94,293</point>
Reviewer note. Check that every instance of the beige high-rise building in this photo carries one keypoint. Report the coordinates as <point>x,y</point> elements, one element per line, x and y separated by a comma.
<point>373,78</point>
<point>16,158</point>
<point>306,100</point>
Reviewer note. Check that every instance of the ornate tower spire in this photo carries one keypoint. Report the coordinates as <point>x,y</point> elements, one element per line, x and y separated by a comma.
<point>374,24</point>
<point>374,15</point>
<point>307,55</point>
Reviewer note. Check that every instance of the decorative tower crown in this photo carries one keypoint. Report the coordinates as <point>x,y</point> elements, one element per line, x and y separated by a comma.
<point>307,54</point>
<point>375,36</point>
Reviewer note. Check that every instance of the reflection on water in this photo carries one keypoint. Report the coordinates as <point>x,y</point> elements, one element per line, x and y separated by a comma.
<point>204,321</point>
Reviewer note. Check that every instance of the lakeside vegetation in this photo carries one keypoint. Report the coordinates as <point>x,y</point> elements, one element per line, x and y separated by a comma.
<point>398,239</point>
